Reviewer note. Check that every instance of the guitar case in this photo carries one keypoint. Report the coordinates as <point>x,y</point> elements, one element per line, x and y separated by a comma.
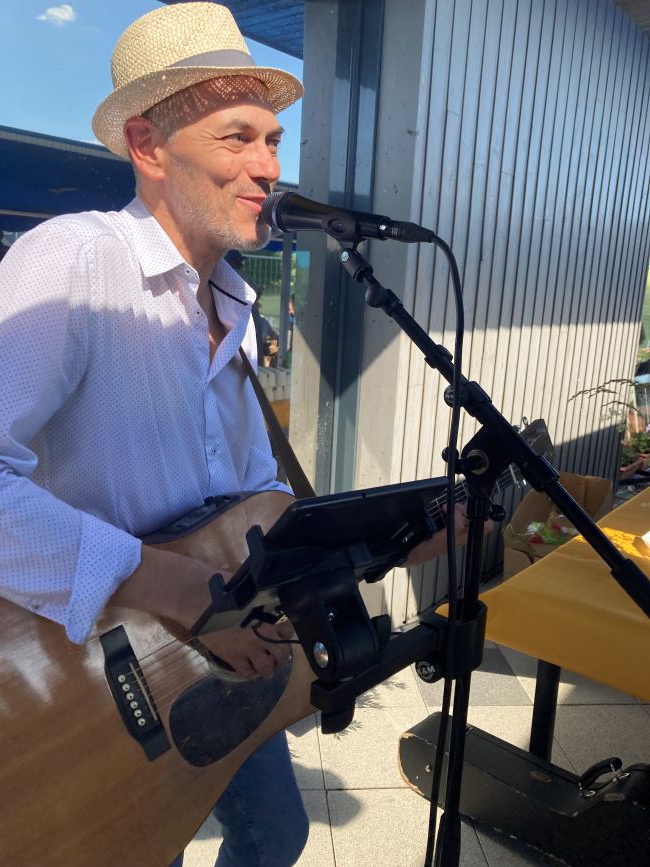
<point>580,821</point>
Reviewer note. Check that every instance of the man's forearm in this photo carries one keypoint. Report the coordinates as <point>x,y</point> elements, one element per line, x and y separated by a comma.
<point>167,585</point>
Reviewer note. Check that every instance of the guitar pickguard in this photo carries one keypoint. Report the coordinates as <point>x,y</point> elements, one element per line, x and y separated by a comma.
<point>212,717</point>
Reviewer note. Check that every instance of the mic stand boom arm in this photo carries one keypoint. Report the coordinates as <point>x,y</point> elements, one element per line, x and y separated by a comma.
<point>500,434</point>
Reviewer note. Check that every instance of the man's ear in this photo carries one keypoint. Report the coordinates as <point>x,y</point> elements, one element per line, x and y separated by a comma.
<point>144,143</point>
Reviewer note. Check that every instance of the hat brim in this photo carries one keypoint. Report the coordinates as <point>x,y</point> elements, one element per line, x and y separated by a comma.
<point>138,96</point>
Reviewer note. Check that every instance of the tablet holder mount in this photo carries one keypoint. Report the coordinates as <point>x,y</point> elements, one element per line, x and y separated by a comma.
<point>317,587</point>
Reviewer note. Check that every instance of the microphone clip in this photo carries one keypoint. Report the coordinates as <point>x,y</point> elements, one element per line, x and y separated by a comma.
<point>354,263</point>
<point>342,226</point>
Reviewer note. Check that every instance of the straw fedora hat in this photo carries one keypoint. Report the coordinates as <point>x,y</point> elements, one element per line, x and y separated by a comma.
<point>170,49</point>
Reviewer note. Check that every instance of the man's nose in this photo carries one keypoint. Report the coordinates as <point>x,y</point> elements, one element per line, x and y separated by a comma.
<point>264,164</point>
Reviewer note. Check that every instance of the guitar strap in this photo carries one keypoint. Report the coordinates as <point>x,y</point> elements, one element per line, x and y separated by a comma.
<point>295,473</point>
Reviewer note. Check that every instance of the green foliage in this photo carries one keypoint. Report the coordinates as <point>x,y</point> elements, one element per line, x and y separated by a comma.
<point>628,456</point>
<point>639,442</point>
<point>637,445</point>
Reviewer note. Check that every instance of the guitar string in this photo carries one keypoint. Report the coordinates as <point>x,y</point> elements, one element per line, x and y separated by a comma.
<point>166,677</point>
<point>196,650</point>
<point>164,688</point>
<point>160,658</point>
<point>186,653</point>
<point>160,653</point>
<point>172,657</point>
<point>166,699</point>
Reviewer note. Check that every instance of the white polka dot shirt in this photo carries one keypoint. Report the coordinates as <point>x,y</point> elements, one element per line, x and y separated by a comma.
<point>113,420</point>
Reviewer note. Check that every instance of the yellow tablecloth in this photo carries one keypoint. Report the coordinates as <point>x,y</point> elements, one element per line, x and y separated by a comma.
<point>567,608</point>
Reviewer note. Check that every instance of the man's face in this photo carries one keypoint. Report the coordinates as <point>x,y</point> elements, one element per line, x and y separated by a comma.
<point>218,170</point>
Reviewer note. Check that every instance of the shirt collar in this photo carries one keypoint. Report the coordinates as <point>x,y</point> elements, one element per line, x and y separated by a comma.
<point>153,247</point>
<point>158,254</point>
<point>232,284</point>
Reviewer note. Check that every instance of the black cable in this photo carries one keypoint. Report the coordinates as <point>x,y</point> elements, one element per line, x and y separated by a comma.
<point>451,555</point>
<point>256,629</point>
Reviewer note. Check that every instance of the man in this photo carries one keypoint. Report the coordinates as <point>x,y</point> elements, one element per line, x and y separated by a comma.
<point>124,402</point>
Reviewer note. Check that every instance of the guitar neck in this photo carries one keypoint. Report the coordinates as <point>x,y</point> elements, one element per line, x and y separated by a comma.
<point>435,508</point>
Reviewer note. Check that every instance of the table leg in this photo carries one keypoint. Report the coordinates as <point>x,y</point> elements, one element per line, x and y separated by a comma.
<point>544,708</point>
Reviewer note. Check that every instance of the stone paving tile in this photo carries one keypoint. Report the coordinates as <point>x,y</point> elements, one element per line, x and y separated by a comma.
<point>589,734</point>
<point>319,851</point>
<point>304,748</point>
<point>401,690</point>
<point>573,688</point>
<point>494,683</point>
<point>364,755</point>
<point>389,829</point>
<point>203,849</point>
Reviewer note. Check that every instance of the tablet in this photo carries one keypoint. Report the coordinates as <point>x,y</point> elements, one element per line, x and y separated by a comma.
<point>371,515</point>
<point>380,525</point>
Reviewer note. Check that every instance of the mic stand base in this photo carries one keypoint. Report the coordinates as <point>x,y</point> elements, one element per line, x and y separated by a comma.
<point>522,797</point>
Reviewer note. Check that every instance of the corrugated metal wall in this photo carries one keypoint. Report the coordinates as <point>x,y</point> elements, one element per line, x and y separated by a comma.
<point>529,153</point>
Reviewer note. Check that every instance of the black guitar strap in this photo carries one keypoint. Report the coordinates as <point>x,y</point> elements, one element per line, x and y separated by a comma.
<point>295,473</point>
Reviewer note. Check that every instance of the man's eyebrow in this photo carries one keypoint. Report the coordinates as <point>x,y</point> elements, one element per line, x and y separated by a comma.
<point>239,124</point>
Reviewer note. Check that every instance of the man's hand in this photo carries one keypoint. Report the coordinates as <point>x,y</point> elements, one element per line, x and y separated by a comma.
<point>175,587</point>
<point>246,653</point>
<point>437,544</point>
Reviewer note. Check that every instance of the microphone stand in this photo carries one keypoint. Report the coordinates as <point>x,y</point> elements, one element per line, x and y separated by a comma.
<point>495,446</point>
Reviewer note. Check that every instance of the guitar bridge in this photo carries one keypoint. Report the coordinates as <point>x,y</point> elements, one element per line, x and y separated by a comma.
<point>131,693</point>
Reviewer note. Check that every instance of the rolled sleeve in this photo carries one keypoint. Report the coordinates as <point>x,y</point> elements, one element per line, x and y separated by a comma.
<point>107,556</point>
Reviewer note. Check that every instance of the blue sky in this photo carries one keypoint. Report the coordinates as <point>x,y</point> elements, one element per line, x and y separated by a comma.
<point>55,67</point>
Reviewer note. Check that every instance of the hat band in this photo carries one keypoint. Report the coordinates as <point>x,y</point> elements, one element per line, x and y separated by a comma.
<point>224,58</point>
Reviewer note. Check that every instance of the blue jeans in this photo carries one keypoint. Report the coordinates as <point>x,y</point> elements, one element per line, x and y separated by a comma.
<point>263,820</point>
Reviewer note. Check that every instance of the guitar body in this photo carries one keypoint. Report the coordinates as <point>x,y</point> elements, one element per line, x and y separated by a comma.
<point>76,786</point>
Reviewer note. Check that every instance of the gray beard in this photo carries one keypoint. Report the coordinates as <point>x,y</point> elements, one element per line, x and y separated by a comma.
<point>200,221</point>
<point>222,236</point>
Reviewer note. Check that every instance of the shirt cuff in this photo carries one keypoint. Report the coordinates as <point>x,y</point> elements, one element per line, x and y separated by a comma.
<point>107,556</point>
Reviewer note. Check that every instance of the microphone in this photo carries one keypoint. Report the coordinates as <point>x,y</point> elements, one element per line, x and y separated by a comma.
<point>289,212</point>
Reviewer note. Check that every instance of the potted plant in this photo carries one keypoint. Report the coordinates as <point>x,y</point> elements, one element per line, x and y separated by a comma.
<point>631,463</point>
<point>639,442</point>
<point>634,454</point>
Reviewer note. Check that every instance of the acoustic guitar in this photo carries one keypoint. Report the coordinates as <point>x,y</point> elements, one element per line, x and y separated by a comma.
<point>114,751</point>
